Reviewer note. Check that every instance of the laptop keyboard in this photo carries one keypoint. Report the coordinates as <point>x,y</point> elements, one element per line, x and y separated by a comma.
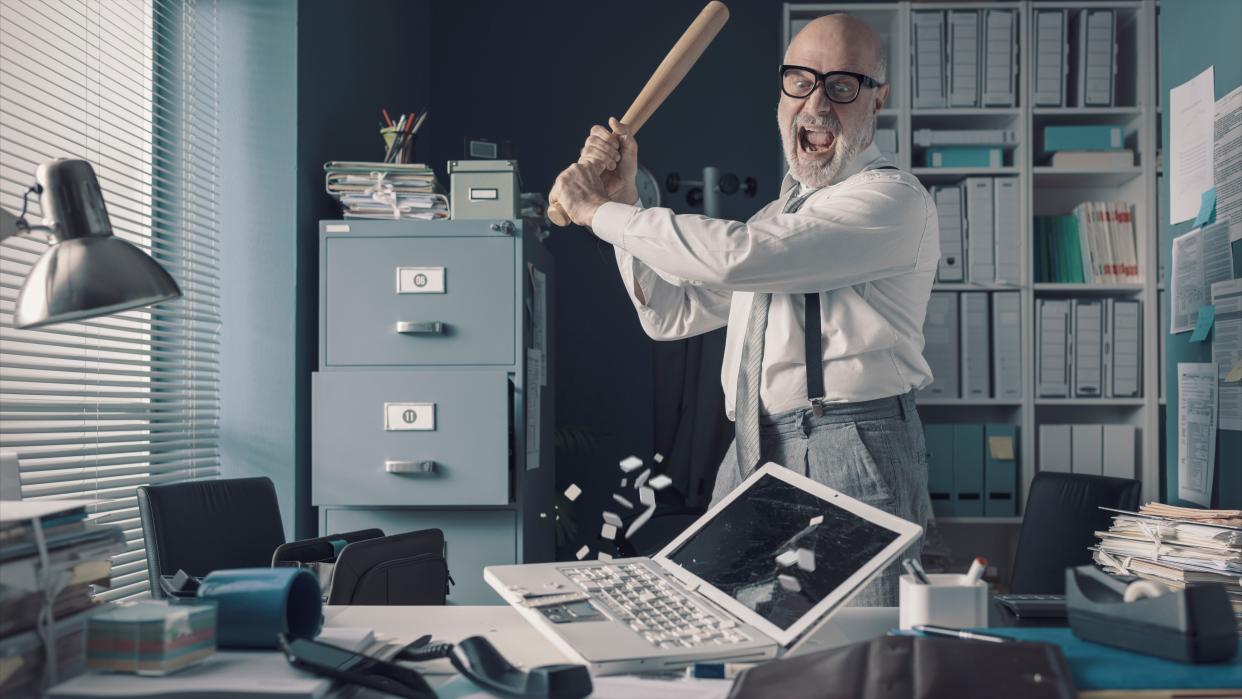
<point>659,612</point>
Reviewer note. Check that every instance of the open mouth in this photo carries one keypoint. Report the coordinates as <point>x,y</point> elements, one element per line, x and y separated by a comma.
<point>815,140</point>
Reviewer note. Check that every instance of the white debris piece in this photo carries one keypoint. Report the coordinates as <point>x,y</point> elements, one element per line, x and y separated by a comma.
<point>573,491</point>
<point>818,519</point>
<point>660,482</point>
<point>605,556</point>
<point>658,458</point>
<point>806,560</point>
<point>641,480</point>
<point>641,519</point>
<point>608,532</point>
<point>582,552</point>
<point>631,463</point>
<point>623,480</point>
<point>789,582</point>
<point>623,502</point>
<point>646,496</point>
<point>612,518</point>
<point>787,558</point>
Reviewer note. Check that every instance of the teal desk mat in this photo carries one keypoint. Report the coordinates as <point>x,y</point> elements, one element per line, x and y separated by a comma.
<point>1095,666</point>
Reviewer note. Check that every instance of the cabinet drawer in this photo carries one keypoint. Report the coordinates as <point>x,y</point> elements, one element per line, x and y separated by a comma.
<point>473,539</point>
<point>425,300</point>
<point>410,438</point>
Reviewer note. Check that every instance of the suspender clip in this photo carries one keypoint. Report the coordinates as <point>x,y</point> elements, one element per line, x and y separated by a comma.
<point>817,407</point>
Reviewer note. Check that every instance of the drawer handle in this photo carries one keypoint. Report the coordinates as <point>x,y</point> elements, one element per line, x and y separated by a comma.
<point>410,467</point>
<point>431,327</point>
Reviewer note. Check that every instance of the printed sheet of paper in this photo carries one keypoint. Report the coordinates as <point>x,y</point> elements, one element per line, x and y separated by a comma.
<point>1227,161</point>
<point>1227,350</point>
<point>1196,431</point>
<point>1192,107</point>
<point>1201,258</point>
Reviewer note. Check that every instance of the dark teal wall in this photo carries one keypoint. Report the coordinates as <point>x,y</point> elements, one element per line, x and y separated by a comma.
<point>1195,34</point>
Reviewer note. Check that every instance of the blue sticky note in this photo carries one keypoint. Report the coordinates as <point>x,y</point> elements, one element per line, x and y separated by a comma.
<point>1207,207</point>
<point>1203,326</point>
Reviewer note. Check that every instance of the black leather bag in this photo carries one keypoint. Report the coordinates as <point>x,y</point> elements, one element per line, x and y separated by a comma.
<point>905,667</point>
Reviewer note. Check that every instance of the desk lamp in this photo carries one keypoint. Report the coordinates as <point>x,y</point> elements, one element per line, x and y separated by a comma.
<point>88,271</point>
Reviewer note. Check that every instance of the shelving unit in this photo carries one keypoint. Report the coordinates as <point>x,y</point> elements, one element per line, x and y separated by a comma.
<point>1044,191</point>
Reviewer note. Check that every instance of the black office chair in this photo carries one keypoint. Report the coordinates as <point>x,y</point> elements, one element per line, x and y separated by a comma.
<point>201,526</point>
<point>1062,515</point>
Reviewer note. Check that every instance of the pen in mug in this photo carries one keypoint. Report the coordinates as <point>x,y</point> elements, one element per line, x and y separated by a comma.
<point>947,632</point>
<point>975,574</point>
<point>916,571</point>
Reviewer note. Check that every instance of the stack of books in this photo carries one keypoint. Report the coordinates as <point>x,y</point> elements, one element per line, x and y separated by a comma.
<point>1094,245</point>
<point>1087,147</point>
<point>1176,547</point>
<point>386,190</point>
<point>51,601</point>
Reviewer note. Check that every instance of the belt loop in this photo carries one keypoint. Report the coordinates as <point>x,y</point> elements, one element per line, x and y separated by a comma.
<point>901,401</point>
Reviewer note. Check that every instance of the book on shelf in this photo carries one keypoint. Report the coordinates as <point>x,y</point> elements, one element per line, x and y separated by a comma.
<point>1083,137</point>
<point>1089,348</point>
<point>1092,159</point>
<point>964,156</point>
<point>1094,245</point>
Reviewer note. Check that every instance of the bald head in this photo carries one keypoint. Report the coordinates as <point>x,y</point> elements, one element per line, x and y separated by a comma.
<point>839,42</point>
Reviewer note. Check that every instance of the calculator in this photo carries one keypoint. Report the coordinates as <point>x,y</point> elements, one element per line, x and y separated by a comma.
<point>1034,606</point>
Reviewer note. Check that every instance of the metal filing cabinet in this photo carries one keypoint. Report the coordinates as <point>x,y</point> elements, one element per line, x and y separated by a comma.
<point>420,405</point>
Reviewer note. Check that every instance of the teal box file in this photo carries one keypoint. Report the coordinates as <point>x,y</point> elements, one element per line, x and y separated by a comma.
<point>965,156</point>
<point>1083,137</point>
<point>968,470</point>
<point>940,468</point>
<point>1000,471</point>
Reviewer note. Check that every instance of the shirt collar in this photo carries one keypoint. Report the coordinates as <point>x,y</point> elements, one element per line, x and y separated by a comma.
<point>869,157</point>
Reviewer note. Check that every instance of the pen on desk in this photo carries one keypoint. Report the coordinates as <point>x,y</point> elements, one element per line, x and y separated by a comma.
<point>932,630</point>
<point>916,571</point>
<point>975,574</point>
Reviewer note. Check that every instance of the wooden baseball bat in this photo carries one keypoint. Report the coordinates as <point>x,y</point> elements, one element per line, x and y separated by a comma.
<point>666,77</point>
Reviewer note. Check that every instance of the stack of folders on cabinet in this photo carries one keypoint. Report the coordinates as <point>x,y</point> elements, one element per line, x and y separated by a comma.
<point>980,231</point>
<point>965,58</point>
<point>47,603</point>
<point>974,345</point>
<point>966,147</point>
<point>972,470</point>
<point>1095,245</point>
<point>1097,450</point>
<point>1176,547</point>
<point>1088,348</point>
<point>1084,75</point>
<point>386,190</point>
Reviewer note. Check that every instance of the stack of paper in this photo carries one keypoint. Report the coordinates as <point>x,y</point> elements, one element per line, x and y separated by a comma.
<point>1176,546</point>
<point>386,190</point>
<point>78,555</point>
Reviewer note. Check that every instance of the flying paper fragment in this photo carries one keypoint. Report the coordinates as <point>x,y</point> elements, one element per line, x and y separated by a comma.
<point>605,556</point>
<point>789,582</point>
<point>806,560</point>
<point>572,492</point>
<point>623,480</point>
<point>818,519</point>
<point>641,480</point>
<point>660,482</point>
<point>658,458</point>
<point>608,532</point>
<point>623,502</point>
<point>640,520</point>
<point>646,496</point>
<point>630,463</point>
<point>582,552</point>
<point>612,518</point>
<point>787,558</point>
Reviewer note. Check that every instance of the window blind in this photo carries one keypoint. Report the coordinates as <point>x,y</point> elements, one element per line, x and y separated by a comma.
<point>98,407</point>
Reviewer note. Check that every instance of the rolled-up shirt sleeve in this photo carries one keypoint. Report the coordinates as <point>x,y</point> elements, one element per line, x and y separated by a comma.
<point>868,231</point>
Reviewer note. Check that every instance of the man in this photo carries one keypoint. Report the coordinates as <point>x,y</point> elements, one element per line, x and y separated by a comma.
<point>849,234</point>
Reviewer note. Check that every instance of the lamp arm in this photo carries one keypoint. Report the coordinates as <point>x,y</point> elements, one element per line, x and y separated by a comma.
<point>11,225</point>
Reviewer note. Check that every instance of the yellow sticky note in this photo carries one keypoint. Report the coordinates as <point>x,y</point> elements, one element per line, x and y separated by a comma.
<point>1235,374</point>
<point>8,666</point>
<point>1001,448</point>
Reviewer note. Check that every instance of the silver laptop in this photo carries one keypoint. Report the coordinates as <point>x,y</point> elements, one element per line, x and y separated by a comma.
<point>751,579</point>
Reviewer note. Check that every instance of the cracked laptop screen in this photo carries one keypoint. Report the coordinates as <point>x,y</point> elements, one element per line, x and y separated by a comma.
<point>738,550</point>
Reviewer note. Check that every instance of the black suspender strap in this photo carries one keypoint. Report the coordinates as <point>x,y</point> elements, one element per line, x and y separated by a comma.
<point>814,354</point>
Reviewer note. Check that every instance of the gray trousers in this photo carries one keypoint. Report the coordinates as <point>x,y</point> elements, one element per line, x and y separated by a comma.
<point>873,451</point>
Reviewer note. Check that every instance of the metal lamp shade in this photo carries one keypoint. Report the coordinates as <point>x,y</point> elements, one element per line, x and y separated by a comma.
<point>90,276</point>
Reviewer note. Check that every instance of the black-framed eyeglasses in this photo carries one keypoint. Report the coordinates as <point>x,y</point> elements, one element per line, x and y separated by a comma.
<point>840,86</point>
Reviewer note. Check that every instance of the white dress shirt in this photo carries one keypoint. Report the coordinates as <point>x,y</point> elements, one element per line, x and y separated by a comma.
<point>870,242</point>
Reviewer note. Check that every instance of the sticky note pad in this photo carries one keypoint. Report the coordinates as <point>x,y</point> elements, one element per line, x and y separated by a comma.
<point>1207,207</point>
<point>1203,326</point>
<point>1001,448</point>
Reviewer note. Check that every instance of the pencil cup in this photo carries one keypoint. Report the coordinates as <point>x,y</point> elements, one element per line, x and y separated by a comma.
<point>947,601</point>
<point>398,146</point>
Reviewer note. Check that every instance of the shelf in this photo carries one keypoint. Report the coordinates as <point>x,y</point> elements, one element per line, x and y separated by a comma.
<point>970,286</point>
<point>999,402</point>
<point>1092,401</point>
<point>949,174</point>
<point>1047,176</point>
<point>1088,289</point>
<point>964,111</point>
<point>1113,116</point>
<point>978,520</point>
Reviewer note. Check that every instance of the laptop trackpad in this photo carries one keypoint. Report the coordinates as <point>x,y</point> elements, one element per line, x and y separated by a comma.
<point>571,612</point>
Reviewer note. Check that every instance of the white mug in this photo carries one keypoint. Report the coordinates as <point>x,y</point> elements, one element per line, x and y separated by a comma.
<point>948,601</point>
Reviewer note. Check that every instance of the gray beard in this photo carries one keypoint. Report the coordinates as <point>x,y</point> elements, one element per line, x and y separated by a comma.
<point>817,175</point>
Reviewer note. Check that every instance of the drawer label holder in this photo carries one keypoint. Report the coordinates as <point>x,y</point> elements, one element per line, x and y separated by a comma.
<point>404,417</point>
<point>420,280</point>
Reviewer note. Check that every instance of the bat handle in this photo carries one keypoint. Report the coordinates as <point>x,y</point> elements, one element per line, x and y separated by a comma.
<point>558,214</point>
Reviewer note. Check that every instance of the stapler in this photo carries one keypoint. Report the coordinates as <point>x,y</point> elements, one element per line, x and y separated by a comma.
<point>1192,625</point>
